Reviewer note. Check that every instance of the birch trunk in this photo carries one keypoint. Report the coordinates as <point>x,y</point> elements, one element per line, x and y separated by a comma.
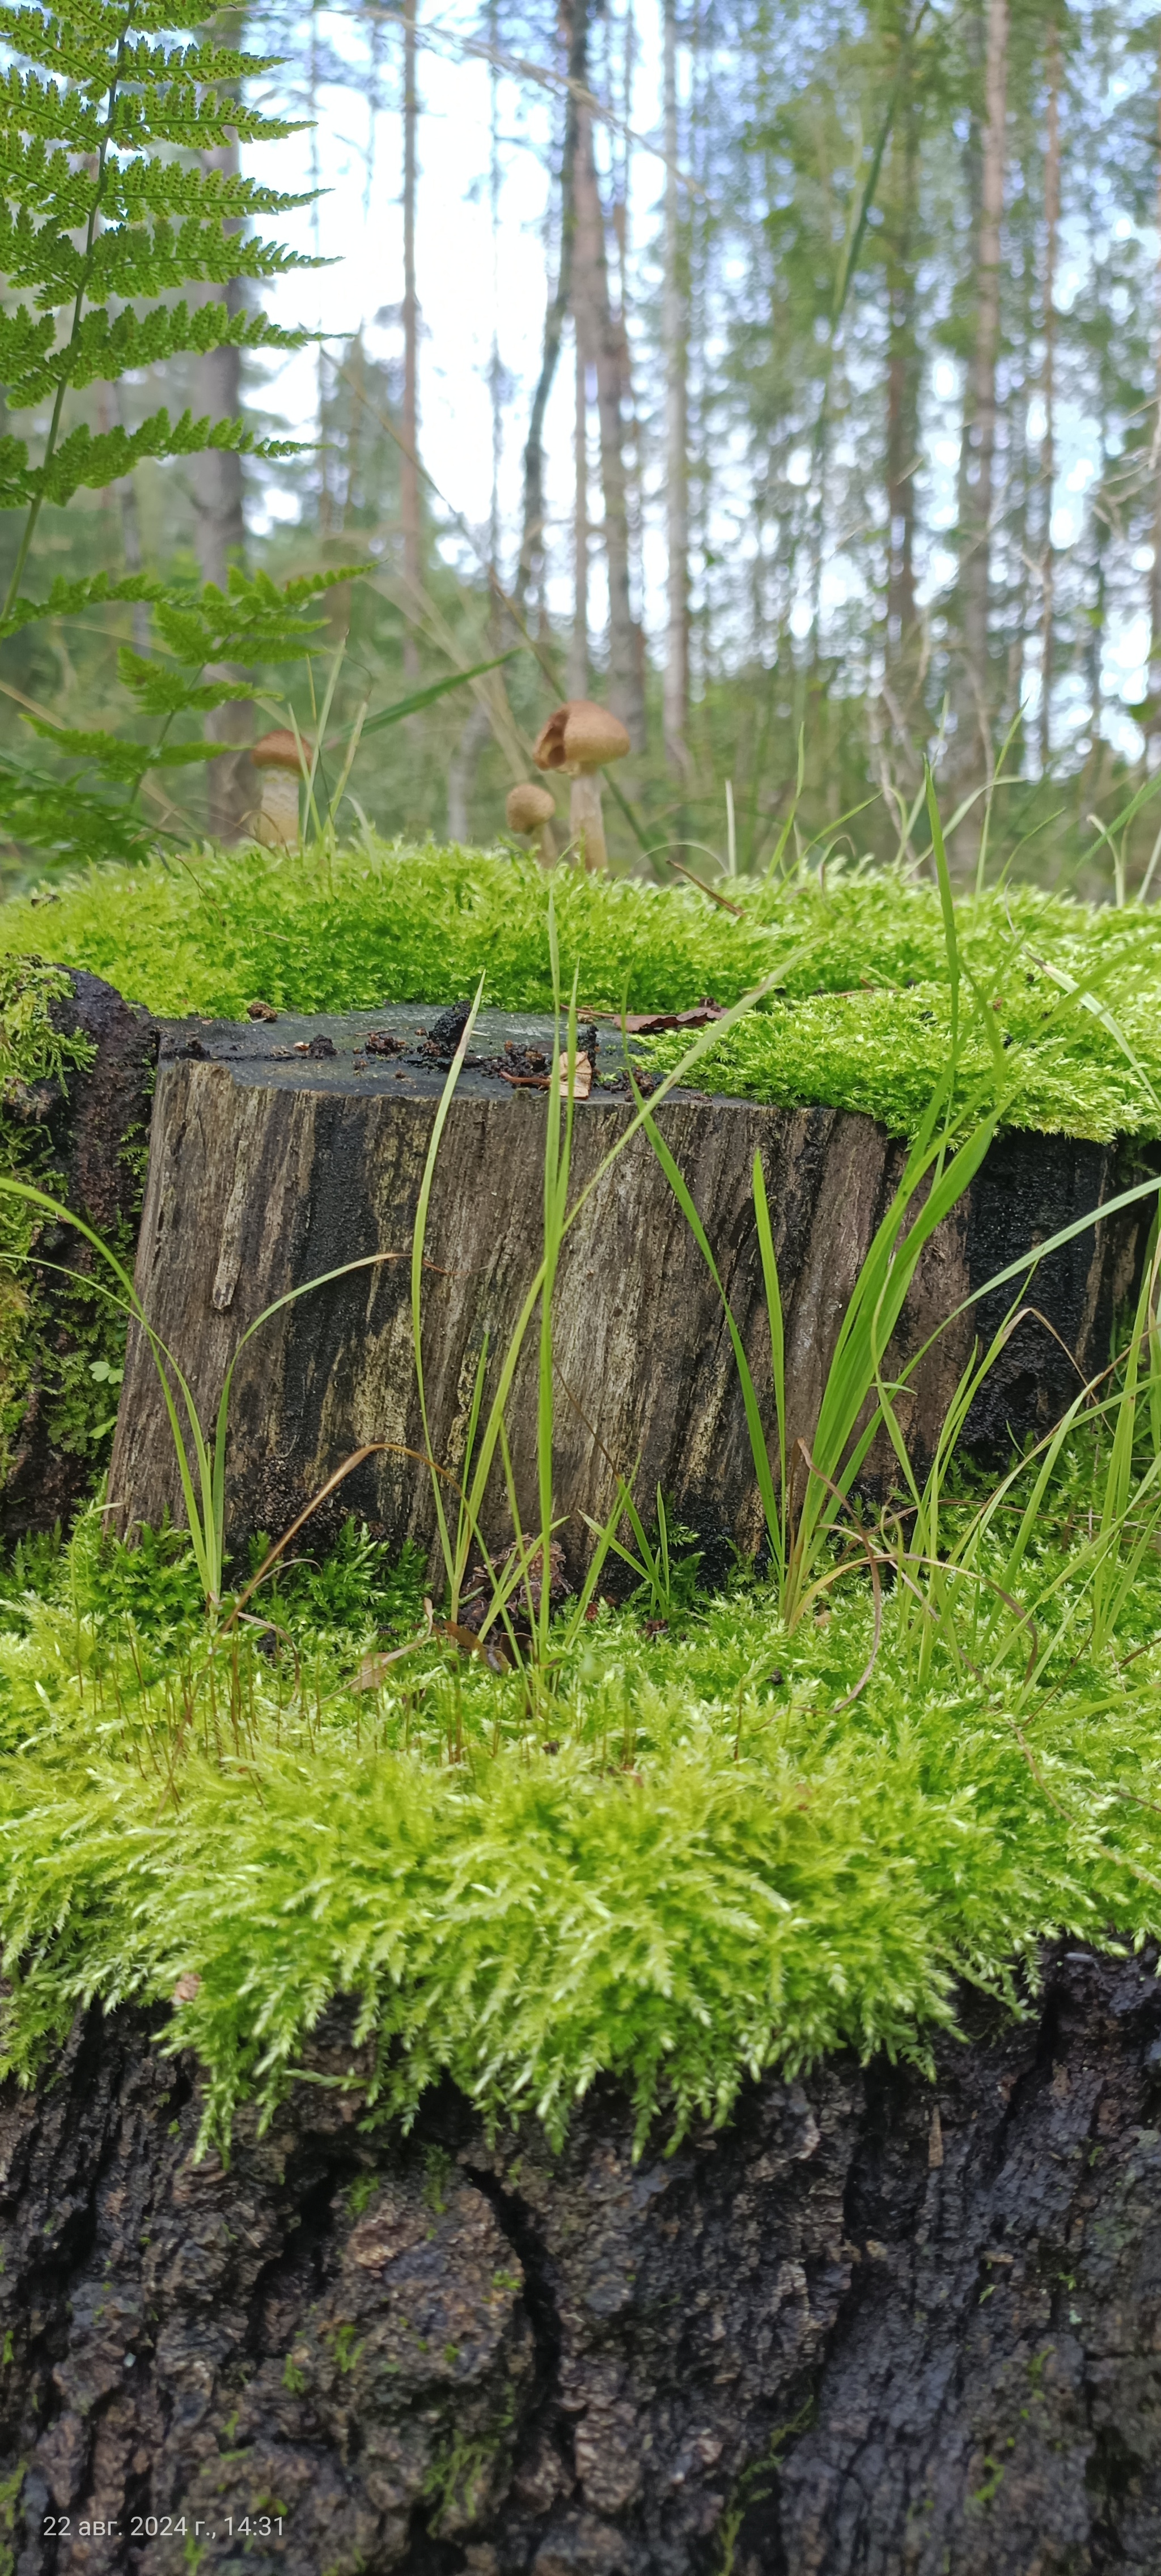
<point>902,387</point>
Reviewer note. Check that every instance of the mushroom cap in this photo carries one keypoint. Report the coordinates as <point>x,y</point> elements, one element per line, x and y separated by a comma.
<point>529,806</point>
<point>580,736</point>
<point>280,751</point>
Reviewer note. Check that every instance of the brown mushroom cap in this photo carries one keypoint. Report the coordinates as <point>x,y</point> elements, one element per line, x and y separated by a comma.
<point>529,806</point>
<point>280,751</point>
<point>580,736</point>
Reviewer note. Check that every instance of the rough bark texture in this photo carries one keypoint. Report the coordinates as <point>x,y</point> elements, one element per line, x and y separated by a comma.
<point>94,1121</point>
<point>267,1170</point>
<point>875,2326</point>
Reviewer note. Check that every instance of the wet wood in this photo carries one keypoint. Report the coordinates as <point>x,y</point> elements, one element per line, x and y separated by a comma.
<point>268,1168</point>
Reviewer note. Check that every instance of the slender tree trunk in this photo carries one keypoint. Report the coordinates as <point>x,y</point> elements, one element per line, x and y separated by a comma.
<point>529,582</point>
<point>902,389</point>
<point>601,340</point>
<point>1154,718</point>
<point>221,527</point>
<point>408,463</point>
<point>577,681</point>
<point>1048,394</point>
<point>676,332</point>
<point>976,533</point>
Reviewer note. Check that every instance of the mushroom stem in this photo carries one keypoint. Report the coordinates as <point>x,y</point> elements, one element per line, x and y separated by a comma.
<point>278,814</point>
<point>585,820</point>
<point>547,846</point>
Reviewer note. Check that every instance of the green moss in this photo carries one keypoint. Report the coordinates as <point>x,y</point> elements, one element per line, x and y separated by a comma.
<point>860,1018</point>
<point>34,1054</point>
<point>719,1868</point>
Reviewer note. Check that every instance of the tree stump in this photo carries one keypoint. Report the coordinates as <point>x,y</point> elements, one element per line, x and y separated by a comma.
<point>279,1152</point>
<point>875,2325</point>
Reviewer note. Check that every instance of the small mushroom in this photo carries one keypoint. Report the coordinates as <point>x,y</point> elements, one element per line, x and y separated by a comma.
<point>280,758</point>
<point>580,739</point>
<point>532,809</point>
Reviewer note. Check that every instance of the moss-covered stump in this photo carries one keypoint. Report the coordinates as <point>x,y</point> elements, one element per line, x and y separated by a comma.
<point>874,2325</point>
<point>87,1127</point>
<point>279,1152</point>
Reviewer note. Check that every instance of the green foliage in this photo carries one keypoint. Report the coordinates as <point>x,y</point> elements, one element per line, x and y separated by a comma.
<point>74,1379</point>
<point>103,220</point>
<point>860,1018</point>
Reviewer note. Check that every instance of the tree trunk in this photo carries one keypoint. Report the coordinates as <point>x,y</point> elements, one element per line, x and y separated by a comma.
<point>903,375</point>
<point>676,334</point>
<point>975,574</point>
<point>577,676</point>
<point>1048,392</point>
<point>529,582</point>
<point>602,343</point>
<point>221,525</point>
<point>267,1169</point>
<point>876,2323</point>
<point>409,506</point>
<point>1154,717</point>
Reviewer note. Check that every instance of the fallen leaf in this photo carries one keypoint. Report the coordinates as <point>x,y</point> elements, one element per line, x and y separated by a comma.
<point>582,1076</point>
<point>260,1011</point>
<point>188,1985</point>
<point>491,1650</point>
<point>647,1024</point>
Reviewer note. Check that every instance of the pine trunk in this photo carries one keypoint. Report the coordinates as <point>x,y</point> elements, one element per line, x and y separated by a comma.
<point>676,332</point>
<point>601,341</point>
<point>1048,388</point>
<point>268,1168</point>
<point>975,717</point>
<point>409,506</point>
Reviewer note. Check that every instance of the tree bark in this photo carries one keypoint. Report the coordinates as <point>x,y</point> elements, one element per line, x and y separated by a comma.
<point>903,377</point>
<point>266,1170</point>
<point>975,564</point>
<point>577,674</point>
<point>876,2323</point>
<point>409,502</point>
<point>676,335</point>
<point>529,582</point>
<point>1048,394</point>
<point>601,339</point>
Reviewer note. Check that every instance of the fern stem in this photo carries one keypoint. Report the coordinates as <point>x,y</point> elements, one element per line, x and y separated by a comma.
<point>37,505</point>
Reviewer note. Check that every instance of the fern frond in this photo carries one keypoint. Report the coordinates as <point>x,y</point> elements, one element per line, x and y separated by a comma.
<point>84,460</point>
<point>68,598</point>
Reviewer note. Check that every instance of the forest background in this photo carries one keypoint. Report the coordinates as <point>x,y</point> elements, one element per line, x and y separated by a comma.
<point>787,376</point>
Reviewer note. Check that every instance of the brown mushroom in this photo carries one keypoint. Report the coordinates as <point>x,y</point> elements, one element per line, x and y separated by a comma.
<point>580,739</point>
<point>532,809</point>
<point>283,761</point>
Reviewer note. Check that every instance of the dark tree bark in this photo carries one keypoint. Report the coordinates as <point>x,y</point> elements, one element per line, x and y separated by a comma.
<point>602,342</point>
<point>876,2326</point>
<point>409,501</point>
<point>97,1123</point>
<point>267,1171</point>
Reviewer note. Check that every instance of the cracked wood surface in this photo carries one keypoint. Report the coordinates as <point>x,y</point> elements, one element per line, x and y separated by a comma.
<point>874,2327</point>
<point>269,1166</point>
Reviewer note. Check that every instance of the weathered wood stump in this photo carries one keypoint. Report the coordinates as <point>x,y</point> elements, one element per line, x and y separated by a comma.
<point>838,2338</point>
<point>269,1165</point>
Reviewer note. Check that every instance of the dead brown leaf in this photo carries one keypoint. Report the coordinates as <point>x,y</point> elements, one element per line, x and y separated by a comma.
<point>582,1081</point>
